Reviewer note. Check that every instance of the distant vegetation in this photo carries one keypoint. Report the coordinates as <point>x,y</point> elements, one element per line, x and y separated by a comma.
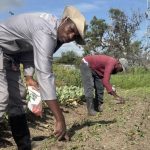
<point>69,84</point>
<point>134,78</point>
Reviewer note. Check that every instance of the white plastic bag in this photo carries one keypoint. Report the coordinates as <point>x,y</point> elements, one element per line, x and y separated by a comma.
<point>35,102</point>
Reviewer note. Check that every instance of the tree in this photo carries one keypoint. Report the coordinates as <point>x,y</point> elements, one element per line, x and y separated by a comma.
<point>69,57</point>
<point>121,34</point>
<point>117,38</point>
<point>94,36</point>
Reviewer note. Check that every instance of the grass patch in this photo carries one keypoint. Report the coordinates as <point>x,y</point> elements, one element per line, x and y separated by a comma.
<point>133,79</point>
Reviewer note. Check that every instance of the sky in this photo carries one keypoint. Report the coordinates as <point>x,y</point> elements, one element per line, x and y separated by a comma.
<point>89,8</point>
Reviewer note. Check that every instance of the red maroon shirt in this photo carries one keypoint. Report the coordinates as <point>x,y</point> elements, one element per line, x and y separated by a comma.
<point>104,66</point>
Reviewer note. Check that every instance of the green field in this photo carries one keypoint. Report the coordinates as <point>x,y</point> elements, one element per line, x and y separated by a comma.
<point>118,127</point>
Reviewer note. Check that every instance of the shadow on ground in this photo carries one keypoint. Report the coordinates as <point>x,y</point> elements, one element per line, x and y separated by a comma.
<point>76,126</point>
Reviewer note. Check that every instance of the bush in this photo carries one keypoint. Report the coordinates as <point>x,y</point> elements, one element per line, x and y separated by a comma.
<point>67,76</point>
<point>69,57</point>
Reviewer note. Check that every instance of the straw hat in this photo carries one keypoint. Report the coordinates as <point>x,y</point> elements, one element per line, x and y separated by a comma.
<point>79,20</point>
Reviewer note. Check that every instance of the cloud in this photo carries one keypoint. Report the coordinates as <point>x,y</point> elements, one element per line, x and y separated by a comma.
<point>85,7</point>
<point>93,5</point>
<point>7,4</point>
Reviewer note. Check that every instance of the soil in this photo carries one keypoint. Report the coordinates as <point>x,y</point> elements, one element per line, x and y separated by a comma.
<point>118,127</point>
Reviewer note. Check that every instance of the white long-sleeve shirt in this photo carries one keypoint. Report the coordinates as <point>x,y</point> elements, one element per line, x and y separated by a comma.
<point>39,30</point>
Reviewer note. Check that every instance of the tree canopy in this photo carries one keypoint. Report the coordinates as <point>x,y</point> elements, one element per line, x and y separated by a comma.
<point>117,37</point>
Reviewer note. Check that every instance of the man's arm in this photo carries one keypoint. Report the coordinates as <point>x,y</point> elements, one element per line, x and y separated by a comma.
<point>119,100</point>
<point>107,75</point>
<point>60,125</point>
<point>44,45</point>
<point>106,81</point>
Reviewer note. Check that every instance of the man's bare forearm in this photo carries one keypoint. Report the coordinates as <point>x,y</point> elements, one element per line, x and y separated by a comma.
<point>54,107</point>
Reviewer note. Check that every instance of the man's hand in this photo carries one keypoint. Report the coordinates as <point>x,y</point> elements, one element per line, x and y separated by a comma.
<point>119,100</point>
<point>60,131</point>
<point>60,125</point>
<point>31,82</point>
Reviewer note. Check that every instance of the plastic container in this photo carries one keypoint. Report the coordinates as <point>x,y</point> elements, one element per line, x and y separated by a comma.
<point>35,102</point>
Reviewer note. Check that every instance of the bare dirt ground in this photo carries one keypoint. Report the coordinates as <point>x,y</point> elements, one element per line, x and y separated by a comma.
<point>119,127</point>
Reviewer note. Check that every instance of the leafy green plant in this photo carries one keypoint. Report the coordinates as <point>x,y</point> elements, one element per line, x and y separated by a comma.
<point>69,94</point>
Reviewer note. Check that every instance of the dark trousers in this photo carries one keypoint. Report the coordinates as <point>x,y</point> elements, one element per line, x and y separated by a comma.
<point>91,81</point>
<point>99,88</point>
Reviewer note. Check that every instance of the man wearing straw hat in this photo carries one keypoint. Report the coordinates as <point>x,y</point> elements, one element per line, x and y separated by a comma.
<point>45,33</point>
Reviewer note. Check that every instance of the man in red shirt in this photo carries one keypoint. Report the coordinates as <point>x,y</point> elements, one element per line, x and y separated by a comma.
<point>96,71</point>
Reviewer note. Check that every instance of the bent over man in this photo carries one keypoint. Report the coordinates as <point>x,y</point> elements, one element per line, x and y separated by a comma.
<point>45,33</point>
<point>96,71</point>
